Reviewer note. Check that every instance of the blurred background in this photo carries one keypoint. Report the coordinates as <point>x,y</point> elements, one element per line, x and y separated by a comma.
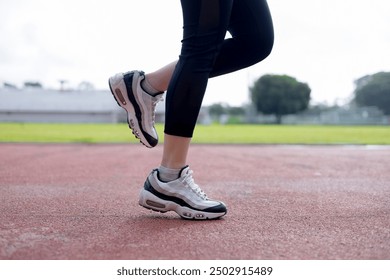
<point>331,61</point>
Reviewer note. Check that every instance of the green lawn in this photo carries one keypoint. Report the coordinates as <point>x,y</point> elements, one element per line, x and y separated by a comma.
<point>221,134</point>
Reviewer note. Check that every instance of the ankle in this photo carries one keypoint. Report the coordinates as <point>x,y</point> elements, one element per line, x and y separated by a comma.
<point>168,174</point>
<point>149,88</point>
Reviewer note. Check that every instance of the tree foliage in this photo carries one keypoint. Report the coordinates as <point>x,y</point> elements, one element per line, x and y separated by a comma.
<point>216,110</point>
<point>280,95</point>
<point>374,90</point>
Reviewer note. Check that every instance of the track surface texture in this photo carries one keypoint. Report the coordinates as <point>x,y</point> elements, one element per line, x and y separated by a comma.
<point>76,201</point>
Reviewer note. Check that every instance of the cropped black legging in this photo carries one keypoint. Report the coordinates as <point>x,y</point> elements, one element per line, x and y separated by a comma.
<point>205,52</point>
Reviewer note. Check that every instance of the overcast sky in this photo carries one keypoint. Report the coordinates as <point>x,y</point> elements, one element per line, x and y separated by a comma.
<point>325,43</point>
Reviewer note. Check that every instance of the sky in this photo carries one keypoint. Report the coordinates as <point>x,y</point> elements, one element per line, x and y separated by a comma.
<point>325,43</point>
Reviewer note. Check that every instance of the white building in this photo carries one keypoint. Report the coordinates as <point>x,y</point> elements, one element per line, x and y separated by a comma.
<point>53,106</point>
<point>38,105</point>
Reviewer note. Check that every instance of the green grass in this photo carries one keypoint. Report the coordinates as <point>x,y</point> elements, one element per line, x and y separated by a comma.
<point>219,134</point>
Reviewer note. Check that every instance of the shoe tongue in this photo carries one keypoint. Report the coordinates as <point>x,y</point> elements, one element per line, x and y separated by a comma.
<point>184,170</point>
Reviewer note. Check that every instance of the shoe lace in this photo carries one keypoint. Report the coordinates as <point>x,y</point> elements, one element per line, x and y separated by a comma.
<point>154,104</point>
<point>193,186</point>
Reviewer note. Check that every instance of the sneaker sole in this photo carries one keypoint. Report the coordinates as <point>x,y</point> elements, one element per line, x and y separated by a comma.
<point>152,202</point>
<point>119,91</point>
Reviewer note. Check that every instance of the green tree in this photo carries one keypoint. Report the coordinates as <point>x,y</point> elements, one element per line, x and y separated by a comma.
<point>374,90</point>
<point>216,110</point>
<point>280,95</point>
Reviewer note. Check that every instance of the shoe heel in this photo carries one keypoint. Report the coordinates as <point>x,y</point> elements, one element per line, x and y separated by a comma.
<point>118,90</point>
<point>147,200</point>
<point>119,95</point>
<point>155,204</point>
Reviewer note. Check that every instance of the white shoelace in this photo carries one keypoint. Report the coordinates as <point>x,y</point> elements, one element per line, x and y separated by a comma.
<point>193,186</point>
<point>154,104</point>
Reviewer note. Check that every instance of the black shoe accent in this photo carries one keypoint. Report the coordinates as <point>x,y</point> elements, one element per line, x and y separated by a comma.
<point>215,209</point>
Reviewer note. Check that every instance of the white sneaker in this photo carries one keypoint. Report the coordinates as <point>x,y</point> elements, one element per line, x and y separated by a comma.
<point>182,196</point>
<point>139,105</point>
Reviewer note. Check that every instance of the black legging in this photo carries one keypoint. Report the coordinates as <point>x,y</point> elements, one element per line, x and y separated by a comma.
<point>206,53</point>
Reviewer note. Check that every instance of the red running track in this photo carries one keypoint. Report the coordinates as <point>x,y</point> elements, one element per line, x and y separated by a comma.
<point>74,201</point>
